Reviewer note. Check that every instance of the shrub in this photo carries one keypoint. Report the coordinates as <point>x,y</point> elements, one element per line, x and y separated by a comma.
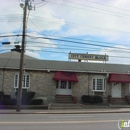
<point>91,99</point>
<point>86,98</point>
<point>36,102</point>
<point>6,96</point>
<point>98,99</point>
<point>26,97</point>
<point>9,102</point>
<point>1,94</point>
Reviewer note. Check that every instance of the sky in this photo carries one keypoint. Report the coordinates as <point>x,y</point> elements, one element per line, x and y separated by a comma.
<point>56,28</point>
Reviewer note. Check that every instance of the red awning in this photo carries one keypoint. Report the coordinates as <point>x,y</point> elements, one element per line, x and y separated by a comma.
<point>65,76</point>
<point>120,78</point>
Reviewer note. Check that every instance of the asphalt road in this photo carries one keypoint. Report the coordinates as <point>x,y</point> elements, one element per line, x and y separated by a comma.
<point>107,121</point>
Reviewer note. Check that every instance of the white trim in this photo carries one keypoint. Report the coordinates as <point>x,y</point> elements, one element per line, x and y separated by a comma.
<point>16,82</point>
<point>22,89</point>
<point>103,80</point>
<point>54,70</point>
<point>64,91</point>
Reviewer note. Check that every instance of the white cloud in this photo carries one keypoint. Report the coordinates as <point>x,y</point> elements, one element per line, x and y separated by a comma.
<point>52,19</point>
<point>117,55</point>
<point>87,18</point>
<point>33,46</point>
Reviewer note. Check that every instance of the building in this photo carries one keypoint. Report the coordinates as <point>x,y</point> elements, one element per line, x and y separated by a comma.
<point>50,78</point>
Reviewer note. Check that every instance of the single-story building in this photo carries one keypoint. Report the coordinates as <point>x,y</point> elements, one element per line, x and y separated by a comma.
<point>48,78</point>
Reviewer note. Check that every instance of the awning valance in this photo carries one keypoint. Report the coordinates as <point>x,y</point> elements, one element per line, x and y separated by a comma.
<point>65,76</point>
<point>120,78</point>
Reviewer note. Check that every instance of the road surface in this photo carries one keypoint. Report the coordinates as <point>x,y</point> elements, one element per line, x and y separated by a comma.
<point>107,121</point>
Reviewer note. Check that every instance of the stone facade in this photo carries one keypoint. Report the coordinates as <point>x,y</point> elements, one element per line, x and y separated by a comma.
<point>42,83</point>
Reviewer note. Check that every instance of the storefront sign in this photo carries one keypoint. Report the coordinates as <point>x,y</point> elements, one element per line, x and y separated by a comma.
<point>88,57</point>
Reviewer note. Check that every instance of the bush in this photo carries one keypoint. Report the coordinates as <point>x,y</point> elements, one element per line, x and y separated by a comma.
<point>9,102</point>
<point>6,96</point>
<point>1,94</point>
<point>91,99</point>
<point>27,97</point>
<point>36,102</point>
<point>86,98</point>
<point>98,99</point>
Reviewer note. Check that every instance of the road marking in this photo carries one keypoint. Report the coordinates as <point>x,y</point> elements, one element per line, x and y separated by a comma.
<point>68,116</point>
<point>61,122</point>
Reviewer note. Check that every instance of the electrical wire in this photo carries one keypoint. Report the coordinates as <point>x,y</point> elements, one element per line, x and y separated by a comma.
<point>95,41</point>
<point>96,8</point>
<point>117,15</point>
<point>67,53</point>
<point>80,25</point>
<point>63,40</point>
<point>41,31</point>
<point>41,5</point>
<point>19,31</point>
<point>107,5</point>
<point>76,42</point>
<point>10,36</point>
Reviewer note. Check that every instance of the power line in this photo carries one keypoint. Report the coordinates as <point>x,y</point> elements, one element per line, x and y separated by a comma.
<point>88,40</point>
<point>42,4</point>
<point>107,5</point>
<point>19,31</point>
<point>81,25</point>
<point>41,31</point>
<point>77,42</point>
<point>10,36</point>
<point>45,43</point>
<point>67,53</point>
<point>111,13</point>
<point>63,40</point>
<point>95,8</point>
<point>82,49</point>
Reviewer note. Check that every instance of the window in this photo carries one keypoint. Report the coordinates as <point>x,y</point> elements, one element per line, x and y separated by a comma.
<point>26,81</point>
<point>63,85</point>
<point>98,83</point>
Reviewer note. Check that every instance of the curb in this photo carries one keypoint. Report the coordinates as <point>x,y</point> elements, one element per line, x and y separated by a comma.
<point>82,112</point>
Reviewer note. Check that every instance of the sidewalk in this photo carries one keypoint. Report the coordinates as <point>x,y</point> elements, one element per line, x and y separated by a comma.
<point>67,111</point>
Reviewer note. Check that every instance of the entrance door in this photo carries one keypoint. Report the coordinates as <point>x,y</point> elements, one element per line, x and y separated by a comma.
<point>64,88</point>
<point>116,90</point>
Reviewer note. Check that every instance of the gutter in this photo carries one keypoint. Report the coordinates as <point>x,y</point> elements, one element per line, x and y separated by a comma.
<point>76,71</point>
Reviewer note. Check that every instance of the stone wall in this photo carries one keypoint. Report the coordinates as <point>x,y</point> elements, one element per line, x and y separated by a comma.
<point>125,89</point>
<point>42,83</point>
<point>8,82</point>
<point>84,86</point>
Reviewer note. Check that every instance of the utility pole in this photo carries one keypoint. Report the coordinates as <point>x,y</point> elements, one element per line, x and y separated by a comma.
<point>19,94</point>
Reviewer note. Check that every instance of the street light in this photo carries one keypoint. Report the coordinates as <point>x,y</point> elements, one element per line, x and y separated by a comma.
<point>22,5</point>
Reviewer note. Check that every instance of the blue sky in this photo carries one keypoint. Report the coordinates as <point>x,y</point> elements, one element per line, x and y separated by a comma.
<point>103,23</point>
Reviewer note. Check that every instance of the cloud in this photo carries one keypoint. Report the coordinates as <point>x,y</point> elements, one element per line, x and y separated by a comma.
<point>117,55</point>
<point>67,19</point>
<point>33,46</point>
<point>88,18</point>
